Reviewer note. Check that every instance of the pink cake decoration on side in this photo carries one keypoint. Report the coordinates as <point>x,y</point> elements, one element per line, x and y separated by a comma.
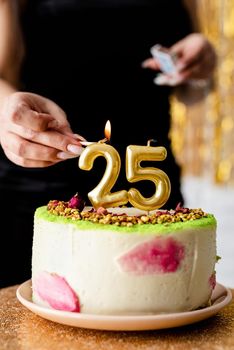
<point>55,290</point>
<point>157,256</point>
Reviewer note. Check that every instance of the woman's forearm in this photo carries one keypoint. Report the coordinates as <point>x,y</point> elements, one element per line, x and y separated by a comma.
<point>11,47</point>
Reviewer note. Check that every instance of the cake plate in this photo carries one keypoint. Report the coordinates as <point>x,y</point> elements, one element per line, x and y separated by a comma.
<point>221,297</point>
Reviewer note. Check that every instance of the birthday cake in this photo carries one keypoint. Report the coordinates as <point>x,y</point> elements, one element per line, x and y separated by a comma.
<point>122,260</point>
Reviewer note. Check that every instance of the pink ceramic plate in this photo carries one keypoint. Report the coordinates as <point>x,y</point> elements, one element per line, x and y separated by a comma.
<point>220,298</point>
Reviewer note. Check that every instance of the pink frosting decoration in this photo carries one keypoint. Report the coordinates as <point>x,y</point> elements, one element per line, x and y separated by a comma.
<point>55,290</point>
<point>157,256</point>
<point>212,280</point>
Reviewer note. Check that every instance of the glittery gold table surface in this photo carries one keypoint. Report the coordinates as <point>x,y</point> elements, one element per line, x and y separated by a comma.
<point>20,329</point>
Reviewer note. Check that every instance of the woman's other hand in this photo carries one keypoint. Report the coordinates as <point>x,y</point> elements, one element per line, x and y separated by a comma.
<point>195,60</point>
<point>35,131</point>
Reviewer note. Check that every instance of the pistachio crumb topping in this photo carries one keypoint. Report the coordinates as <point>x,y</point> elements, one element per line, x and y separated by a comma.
<point>103,216</point>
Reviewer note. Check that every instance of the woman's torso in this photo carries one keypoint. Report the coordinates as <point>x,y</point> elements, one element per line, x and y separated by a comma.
<point>86,56</point>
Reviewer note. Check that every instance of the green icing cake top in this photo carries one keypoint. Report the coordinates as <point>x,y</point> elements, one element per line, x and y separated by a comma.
<point>161,228</point>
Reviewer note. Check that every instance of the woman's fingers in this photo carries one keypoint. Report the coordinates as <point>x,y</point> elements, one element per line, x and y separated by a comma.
<point>23,116</point>
<point>196,57</point>
<point>201,69</point>
<point>26,150</point>
<point>150,63</point>
<point>50,138</point>
<point>35,112</point>
<point>27,163</point>
<point>58,141</point>
<point>189,49</point>
<point>77,137</point>
<point>35,131</point>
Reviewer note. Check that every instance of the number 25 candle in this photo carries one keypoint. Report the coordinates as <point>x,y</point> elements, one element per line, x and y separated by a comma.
<point>101,195</point>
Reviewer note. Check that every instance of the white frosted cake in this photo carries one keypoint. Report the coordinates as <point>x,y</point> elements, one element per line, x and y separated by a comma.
<point>122,260</point>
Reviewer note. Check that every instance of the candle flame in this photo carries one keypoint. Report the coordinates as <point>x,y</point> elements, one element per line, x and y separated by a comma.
<point>107,130</point>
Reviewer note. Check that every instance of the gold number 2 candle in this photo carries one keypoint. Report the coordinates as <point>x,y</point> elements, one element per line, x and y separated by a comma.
<point>101,195</point>
<point>134,172</point>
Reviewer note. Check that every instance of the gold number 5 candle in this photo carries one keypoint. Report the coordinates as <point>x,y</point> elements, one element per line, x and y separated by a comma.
<point>134,172</point>
<point>101,195</point>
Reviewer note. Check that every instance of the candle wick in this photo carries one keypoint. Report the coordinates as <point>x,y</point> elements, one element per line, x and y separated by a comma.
<point>151,140</point>
<point>103,140</point>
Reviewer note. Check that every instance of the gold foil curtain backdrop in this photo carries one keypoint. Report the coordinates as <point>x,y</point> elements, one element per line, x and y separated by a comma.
<point>203,134</point>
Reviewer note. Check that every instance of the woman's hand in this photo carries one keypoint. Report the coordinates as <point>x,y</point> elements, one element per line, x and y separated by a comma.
<point>35,132</point>
<point>195,60</point>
